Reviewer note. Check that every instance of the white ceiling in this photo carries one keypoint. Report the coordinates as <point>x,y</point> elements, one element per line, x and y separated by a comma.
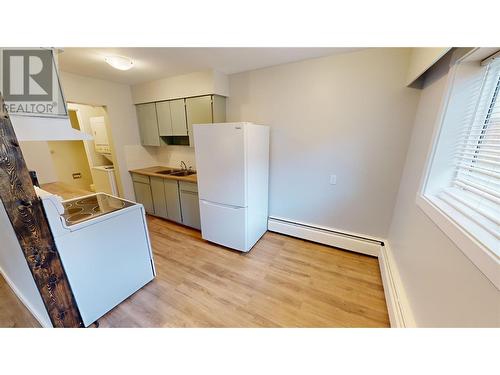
<point>155,63</point>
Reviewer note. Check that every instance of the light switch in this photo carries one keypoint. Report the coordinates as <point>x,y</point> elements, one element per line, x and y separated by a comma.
<point>333,179</point>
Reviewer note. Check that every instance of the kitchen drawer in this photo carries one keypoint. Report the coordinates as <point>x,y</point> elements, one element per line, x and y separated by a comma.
<point>188,186</point>
<point>140,178</point>
<point>225,225</point>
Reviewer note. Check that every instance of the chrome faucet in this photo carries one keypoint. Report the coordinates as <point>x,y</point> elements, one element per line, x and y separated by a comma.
<point>184,166</point>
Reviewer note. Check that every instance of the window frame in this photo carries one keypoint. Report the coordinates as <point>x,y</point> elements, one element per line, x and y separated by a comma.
<point>454,224</point>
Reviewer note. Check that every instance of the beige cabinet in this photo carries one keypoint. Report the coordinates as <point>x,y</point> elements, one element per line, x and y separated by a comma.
<point>204,110</point>
<point>198,111</point>
<point>143,194</point>
<point>190,204</point>
<point>165,198</point>
<point>218,109</point>
<point>164,119</point>
<point>172,118</point>
<point>173,201</point>
<point>170,199</point>
<point>178,113</point>
<point>159,201</point>
<point>148,124</point>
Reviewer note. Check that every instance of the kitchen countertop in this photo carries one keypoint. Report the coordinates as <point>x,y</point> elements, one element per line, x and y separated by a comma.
<point>152,171</point>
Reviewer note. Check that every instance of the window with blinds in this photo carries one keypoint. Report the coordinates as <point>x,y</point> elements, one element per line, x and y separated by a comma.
<point>474,190</point>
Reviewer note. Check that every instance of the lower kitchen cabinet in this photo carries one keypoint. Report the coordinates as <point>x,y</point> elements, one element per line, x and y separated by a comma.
<point>172,200</point>
<point>190,204</point>
<point>159,200</point>
<point>166,199</point>
<point>144,196</point>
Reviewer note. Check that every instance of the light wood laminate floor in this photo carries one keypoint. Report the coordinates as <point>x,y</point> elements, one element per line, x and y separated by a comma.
<point>12,311</point>
<point>281,282</point>
<point>66,191</point>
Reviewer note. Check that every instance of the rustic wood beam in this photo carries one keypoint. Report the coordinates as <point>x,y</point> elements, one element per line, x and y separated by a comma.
<point>27,216</point>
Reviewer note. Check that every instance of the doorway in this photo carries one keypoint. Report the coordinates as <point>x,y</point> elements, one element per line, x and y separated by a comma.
<point>70,160</point>
<point>77,167</point>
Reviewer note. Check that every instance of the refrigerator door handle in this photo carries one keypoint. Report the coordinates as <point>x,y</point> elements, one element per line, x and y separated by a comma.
<point>220,205</point>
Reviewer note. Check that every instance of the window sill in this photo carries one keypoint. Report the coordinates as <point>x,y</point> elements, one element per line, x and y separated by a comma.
<point>451,222</point>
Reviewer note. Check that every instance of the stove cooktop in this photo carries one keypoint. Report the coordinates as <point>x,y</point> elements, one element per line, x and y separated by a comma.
<point>82,209</point>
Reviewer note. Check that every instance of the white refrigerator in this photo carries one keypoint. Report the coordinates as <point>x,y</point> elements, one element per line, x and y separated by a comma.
<point>232,165</point>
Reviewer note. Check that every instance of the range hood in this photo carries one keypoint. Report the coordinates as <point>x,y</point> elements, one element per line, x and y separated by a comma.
<point>33,95</point>
<point>42,128</point>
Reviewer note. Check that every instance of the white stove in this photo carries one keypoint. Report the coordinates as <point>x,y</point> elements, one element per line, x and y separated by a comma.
<point>104,246</point>
<point>81,209</point>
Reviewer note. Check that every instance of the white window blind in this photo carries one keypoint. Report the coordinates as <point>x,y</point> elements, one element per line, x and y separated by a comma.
<point>475,188</point>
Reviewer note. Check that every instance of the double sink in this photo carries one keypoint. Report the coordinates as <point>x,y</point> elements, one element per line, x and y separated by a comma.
<point>176,172</point>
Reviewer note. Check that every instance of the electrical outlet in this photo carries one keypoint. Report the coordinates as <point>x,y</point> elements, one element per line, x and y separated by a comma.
<point>333,179</point>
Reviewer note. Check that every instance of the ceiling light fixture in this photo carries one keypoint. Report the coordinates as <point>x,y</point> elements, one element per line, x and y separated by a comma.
<point>119,62</point>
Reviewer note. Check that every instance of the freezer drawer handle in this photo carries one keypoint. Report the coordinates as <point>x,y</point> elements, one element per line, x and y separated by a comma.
<point>221,205</point>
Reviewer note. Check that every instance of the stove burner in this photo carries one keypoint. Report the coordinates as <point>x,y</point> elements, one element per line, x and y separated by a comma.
<point>74,210</point>
<point>85,201</point>
<point>78,217</point>
<point>88,208</point>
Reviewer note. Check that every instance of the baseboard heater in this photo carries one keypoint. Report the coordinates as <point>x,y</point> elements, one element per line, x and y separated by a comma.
<point>326,236</point>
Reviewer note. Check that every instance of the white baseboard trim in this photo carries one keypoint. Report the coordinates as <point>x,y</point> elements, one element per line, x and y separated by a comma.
<point>398,305</point>
<point>327,236</point>
<point>400,314</point>
<point>25,302</point>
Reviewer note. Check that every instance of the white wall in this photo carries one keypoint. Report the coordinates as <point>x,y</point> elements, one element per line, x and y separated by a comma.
<point>137,156</point>
<point>69,157</point>
<point>39,155</point>
<point>173,155</point>
<point>348,115</point>
<point>181,86</point>
<point>84,113</point>
<point>121,118</point>
<point>443,287</point>
<point>16,272</point>
<point>38,158</point>
<point>186,85</point>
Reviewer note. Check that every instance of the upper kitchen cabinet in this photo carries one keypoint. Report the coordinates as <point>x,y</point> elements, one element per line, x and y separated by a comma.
<point>164,119</point>
<point>204,110</point>
<point>148,124</point>
<point>198,111</point>
<point>219,108</point>
<point>172,118</point>
<point>178,114</point>
<point>171,122</point>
